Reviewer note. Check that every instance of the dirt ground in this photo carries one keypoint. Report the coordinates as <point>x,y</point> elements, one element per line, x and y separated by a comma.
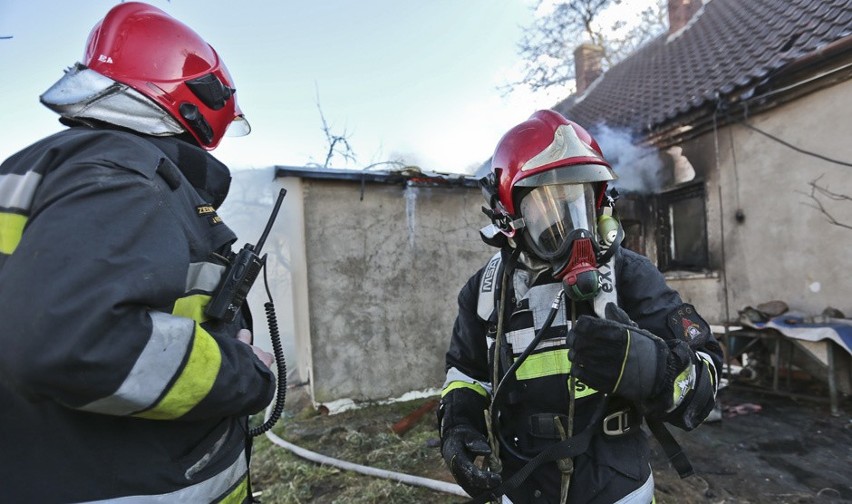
<point>787,452</point>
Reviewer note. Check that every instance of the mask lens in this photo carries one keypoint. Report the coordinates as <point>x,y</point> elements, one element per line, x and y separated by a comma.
<point>551,212</point>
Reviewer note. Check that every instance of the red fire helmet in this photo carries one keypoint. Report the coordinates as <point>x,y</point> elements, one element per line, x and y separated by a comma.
<point>143,47</point>
<point>546,149</point>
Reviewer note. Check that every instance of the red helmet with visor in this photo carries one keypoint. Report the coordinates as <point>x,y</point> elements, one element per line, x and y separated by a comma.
<point>143,47</point>
<point>548,175</point>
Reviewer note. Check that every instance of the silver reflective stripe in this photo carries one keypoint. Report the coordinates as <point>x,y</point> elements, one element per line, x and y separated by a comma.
<point>522,338</point>
<point>206,491</point>
<point>642,495</point>
<point>709,360</point>
<point>454,375</point>
<point>16,191</point>
<point>203,276</point>
<point>154,369</point>
<point>712,367</point>
<point>488,288</point>
<point>541,299</point>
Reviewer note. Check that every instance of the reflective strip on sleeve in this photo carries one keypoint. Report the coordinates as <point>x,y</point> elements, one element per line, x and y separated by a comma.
<point>457,379</point>
<point>11,230</point>
<point>711,367</point>
<point>202,278</point>
<point>157,364</point>
<point>192,307</point>
<point>17,191</point>
<point>227,487</point>
<point>684,382</point>
<point>194,381</point>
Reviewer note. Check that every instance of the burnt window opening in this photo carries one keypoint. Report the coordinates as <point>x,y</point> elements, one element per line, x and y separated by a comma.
<point>682,229</point>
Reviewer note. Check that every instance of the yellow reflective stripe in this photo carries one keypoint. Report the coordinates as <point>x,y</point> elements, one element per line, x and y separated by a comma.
<point>238,495</point>
<point>11,230</point>
<point>479,389</point>
<point>192,307</point>
<point>542,364</point>
<point>582,390</point>
<point>194,382</point>
<point>684,382</point>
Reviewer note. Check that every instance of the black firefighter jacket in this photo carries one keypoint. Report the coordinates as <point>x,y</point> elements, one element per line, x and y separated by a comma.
<point>614,465</point>
<point>113,383</point>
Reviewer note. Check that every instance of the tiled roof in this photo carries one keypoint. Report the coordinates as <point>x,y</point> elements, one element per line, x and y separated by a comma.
<point>727,48</point>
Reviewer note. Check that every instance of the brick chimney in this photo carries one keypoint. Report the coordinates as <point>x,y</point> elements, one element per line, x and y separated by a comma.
<point>680,12</point>
<point>587,65</point>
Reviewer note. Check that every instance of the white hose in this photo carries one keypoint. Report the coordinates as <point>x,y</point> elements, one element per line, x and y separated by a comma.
<point>441,486</point>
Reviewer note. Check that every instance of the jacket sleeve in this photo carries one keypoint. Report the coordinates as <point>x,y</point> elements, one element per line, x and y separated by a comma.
<point>687,392</point>
<point>86,303</point>
<point>467,389</point>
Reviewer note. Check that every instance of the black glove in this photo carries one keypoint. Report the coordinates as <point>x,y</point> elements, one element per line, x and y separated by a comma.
<point>461,445</point>
<point>615,356</point>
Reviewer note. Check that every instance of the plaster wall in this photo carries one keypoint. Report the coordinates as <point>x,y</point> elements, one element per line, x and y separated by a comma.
<point>784,248</point>
<point>384,270</point>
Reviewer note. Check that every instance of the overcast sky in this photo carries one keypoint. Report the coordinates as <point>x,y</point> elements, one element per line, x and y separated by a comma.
<point>410,78</point>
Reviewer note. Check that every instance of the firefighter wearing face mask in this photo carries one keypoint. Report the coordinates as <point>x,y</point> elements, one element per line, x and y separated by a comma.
<point>114,383</point>
<point>564,342</point>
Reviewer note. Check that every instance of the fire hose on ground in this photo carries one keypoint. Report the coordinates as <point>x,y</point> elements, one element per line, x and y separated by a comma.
<point>408,479</point>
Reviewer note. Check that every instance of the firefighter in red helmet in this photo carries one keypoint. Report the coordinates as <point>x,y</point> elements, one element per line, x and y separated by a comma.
<point>114,384</point>
<point>565,341</point>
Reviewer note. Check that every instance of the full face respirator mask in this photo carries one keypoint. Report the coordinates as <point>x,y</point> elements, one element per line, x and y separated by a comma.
<point>560,224</point>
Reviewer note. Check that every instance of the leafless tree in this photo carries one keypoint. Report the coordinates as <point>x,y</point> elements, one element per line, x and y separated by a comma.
<point>337,143</point>
<point>818,194</point>
<point>547,46</point>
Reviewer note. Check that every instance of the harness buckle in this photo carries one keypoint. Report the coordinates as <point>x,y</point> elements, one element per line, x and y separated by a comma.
<point>618,423</point>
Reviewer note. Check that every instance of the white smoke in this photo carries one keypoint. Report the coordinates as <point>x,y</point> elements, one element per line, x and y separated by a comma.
<point>639,168</point>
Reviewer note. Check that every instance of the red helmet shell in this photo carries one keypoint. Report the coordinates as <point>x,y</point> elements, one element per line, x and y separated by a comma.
<point>142,46</point>
<point>546,149</point>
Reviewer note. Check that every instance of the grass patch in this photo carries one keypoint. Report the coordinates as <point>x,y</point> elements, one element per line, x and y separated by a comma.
<point>362,436</point>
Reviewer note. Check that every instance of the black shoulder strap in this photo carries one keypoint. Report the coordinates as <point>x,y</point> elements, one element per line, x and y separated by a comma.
<point>670,445</point>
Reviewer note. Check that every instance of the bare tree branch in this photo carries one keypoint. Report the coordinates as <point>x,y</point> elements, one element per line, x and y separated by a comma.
<point>337,144</point>
<point>817,191</point>
<point>547,46</point>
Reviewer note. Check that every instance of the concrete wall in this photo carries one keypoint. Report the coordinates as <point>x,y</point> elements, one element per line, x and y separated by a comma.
<point>384,274</point>
<point>365,290</point>
<point>784,249</point>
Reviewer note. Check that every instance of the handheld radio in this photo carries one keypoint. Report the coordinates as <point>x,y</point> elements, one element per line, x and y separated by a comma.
<point>240,275</point>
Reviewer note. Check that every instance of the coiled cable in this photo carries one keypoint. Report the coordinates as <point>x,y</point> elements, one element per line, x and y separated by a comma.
<point>278,352</point>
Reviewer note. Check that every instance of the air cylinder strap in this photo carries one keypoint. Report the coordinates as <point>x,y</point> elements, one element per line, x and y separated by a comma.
<point>670,445</point>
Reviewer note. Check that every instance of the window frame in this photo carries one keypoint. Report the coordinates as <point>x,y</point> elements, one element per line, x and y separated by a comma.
<point>666,260</point>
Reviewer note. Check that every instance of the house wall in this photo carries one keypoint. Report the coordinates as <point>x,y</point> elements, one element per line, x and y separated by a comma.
<point>383,276</point>
<point>784,248</point>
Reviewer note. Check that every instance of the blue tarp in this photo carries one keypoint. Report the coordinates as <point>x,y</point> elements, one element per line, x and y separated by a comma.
<point>803,327</point>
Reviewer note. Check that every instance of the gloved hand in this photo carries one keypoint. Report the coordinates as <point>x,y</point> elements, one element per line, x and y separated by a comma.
<point>462,444</point>
<point>614,356</point>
